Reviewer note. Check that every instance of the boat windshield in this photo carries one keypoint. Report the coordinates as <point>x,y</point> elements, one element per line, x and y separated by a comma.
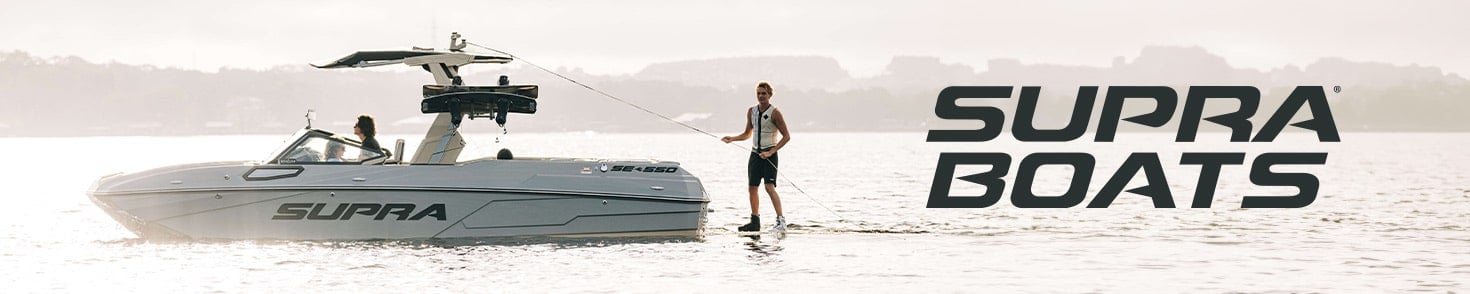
<point>320,147</point>
<point>276,153</point>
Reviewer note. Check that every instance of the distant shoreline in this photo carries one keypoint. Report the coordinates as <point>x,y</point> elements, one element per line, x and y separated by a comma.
<point>479,134</point>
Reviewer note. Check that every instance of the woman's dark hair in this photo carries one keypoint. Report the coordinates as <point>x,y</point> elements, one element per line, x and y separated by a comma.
<point>365,125</point>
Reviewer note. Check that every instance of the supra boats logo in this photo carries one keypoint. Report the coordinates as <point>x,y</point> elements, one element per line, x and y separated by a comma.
<point>1314,98</point>
<point>345,211</point>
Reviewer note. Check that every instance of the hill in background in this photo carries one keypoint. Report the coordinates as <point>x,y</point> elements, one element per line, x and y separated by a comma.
<point>69,96</point>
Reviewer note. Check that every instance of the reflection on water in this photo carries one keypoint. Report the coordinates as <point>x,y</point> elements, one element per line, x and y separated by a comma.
<point>765,248</point>
<point>445,243</point>
<point>1391,217</point>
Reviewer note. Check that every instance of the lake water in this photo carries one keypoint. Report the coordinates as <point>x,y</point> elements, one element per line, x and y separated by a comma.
<point>1393,215</point>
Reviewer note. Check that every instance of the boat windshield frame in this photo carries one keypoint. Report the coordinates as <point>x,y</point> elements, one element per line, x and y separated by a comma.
<point>303,135</point>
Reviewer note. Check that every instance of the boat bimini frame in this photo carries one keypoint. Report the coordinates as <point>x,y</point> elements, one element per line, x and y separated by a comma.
<point>448,97</point>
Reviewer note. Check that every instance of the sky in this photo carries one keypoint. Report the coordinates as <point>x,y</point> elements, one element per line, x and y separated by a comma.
<point>619,37</point>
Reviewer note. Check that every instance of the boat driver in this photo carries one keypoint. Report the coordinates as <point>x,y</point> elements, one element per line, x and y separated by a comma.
<point>335,150</point>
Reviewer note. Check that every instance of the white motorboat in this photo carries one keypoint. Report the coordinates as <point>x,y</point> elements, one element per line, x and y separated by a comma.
<point>299,193</point>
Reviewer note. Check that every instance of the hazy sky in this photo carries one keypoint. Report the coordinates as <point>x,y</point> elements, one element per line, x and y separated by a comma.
<point>623,36</point>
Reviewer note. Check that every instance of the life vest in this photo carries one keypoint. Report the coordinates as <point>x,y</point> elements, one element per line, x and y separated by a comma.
<point>764,125</point>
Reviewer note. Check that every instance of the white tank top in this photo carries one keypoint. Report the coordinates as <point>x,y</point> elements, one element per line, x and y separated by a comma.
<point>764,125</point>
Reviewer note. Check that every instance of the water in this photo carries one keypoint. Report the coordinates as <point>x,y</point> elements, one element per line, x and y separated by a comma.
<point>1392,215</point>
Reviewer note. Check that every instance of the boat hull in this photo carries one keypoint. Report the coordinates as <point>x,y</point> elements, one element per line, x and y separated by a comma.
<point>340,203</point>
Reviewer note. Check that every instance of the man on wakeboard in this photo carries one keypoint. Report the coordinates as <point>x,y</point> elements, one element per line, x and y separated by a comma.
<point>765,120</point>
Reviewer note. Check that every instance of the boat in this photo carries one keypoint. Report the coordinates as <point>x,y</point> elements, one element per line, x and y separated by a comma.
<point>324,186</point>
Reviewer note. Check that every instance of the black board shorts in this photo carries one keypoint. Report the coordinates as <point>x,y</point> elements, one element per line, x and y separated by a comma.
<point>759,169</point>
